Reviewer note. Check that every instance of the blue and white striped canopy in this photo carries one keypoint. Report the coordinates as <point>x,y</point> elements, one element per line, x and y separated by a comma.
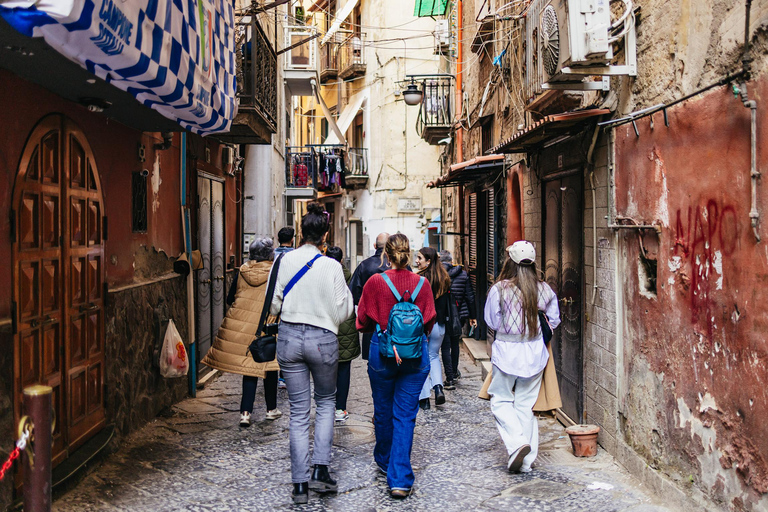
<point>175,56</point>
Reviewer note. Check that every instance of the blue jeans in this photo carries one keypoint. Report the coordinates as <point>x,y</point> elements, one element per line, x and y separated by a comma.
<point>435,368</point>
<point>303,350</point>
<point>395,389</point>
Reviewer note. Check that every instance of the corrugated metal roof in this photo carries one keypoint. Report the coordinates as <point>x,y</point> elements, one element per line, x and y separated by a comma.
<point>470,170</point>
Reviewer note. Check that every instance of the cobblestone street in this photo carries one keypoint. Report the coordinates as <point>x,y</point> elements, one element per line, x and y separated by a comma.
<point>197,458</point>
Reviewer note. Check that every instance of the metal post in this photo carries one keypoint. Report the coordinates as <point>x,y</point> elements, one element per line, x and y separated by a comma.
<point>37,456</point>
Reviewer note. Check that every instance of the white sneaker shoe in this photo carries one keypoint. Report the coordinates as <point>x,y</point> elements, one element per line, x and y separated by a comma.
<point>245,419</point>
<point>341,416</point>
<point>273,414</point>
<point>515,461</point>
<point>281,384</point>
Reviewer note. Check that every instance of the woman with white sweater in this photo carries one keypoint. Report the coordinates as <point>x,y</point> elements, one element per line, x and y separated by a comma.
<point>314,298</point>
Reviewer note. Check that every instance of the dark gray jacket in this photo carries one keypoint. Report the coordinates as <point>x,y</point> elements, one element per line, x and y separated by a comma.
<point>461,289</point>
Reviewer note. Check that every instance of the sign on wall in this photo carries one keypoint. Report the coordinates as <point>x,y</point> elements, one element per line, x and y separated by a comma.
<point>409,205</point>
<point>175,56</point>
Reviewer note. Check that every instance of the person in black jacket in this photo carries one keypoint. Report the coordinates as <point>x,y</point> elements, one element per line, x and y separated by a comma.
<point>462,293</point>
<point>367,268</point>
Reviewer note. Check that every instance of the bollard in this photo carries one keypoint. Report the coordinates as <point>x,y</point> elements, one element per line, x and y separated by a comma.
<point>37,456</point>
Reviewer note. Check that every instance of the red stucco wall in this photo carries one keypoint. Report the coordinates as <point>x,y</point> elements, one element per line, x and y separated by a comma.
<point>115,149</point>
<point>705,334</point>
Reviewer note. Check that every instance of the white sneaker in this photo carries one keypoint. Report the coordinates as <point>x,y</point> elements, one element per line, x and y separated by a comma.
<point>245,419</point>
<point>515,461</point>
<point>281,384</point>
<point>341,416</point>
<point>273,414</point>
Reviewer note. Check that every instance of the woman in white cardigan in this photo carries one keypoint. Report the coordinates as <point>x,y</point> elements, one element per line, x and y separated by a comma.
<point>313,307</point>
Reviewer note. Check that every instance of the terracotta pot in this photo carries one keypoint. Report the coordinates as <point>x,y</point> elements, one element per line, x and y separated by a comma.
<point>583,439</point>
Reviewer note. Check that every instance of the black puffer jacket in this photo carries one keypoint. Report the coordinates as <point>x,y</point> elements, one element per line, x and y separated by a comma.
<point>462,292</point>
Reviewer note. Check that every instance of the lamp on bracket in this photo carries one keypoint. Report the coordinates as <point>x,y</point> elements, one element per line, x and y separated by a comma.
<point>413,94</point>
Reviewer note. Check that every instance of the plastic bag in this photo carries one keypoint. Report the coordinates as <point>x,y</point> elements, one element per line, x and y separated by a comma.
<point>173,358</point>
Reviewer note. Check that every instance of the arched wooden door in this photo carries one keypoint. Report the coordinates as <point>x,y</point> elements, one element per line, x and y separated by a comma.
<point>58,276</point>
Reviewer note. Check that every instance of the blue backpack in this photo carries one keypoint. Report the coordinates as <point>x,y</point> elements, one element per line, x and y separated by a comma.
<point>405,328</point>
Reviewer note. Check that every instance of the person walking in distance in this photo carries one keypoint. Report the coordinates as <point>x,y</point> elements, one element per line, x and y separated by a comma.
<point>464,296</point>
<point>369,267</point>
<point>427,265</point>
<point>312,293</point>
<point>285,238</point>
<point>396,381</point>
<point>519,354</point>
<point>229,352</point>
<point>349,348</point>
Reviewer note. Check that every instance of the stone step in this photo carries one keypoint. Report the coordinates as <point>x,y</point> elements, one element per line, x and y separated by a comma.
<point>476,349</point>
<point>486,368</point>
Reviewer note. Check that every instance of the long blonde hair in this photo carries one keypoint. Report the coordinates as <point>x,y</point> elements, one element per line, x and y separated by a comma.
<point>525,279</point>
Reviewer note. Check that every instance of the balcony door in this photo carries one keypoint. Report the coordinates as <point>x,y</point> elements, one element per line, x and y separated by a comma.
<point>58,276</point>
<point>210,279</point>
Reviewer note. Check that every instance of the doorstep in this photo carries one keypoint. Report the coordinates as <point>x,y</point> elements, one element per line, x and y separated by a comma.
<point>476,349</point>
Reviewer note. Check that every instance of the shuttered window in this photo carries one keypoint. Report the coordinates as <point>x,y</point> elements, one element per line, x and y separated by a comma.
<point>473,240</point>
<point>491,266</point>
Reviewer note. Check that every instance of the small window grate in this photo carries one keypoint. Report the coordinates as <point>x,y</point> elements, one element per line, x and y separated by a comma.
<point>139,206</point>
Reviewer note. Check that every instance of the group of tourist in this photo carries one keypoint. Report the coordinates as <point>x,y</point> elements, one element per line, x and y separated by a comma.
<point>408,308</point>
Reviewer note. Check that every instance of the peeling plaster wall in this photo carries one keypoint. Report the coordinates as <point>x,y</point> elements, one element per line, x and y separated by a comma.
<point>696,353</point>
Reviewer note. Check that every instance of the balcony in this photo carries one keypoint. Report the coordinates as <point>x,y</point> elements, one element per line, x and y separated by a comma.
<point>356,176</point>
<point>352,57</point>
<point>256,61</point>
<point>300,60</point>
<point>316,168</point>
<point>329,60</point>
<point>436,112</point>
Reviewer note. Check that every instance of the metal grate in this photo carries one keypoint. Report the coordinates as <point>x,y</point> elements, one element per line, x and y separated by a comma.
<point>473,240</point>
<point>491,266</point>
<point>139,202</point>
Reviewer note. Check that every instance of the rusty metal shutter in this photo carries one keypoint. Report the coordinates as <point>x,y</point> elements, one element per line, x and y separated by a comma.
<point>473,240</point>
<point>491,212</point>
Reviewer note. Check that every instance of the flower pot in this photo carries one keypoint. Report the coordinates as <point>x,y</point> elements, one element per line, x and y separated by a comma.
<point>583,439</point>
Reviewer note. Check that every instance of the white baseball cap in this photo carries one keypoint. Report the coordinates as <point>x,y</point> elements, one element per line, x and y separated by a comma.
<point>522,252</point>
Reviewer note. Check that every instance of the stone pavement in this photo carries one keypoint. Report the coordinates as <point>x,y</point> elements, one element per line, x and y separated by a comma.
<point>196,458</point>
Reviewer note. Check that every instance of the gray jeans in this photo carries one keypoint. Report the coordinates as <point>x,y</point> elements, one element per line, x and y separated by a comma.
<point>303,350</point>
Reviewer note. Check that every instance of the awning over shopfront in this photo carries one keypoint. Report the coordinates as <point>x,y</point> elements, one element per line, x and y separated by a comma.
<point>545,130</point>
<point>174,57</point>
<point>471,170</point>
<point>347,116</point>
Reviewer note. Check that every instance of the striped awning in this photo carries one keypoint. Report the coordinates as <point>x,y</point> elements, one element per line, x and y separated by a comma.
<point>174,56</point>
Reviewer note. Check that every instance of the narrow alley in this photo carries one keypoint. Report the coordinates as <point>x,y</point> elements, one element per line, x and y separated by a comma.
<point>196,458</point>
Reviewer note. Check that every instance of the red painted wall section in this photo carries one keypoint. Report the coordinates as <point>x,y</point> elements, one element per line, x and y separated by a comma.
<point>515,213</point>
<point>129,255</point>
<point>705,331</point>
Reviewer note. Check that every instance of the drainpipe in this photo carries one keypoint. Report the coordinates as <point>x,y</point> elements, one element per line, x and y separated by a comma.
<point>185,229</point>
<point>590,162</point>
<point>741,90</point>
<point>459,106</point>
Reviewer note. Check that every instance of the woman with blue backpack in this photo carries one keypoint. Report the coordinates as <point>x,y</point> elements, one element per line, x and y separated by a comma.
<point>517,308</point>
<point>398,307</point>
<point>312,297</point>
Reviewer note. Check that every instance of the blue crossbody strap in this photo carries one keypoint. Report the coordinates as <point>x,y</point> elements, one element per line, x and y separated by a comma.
<point>300,274</point>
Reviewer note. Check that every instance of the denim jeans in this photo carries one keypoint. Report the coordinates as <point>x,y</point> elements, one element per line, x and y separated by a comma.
<point>303,350</point>
<point>342,384</point>
<point>435,368</point>
<point>513,411</point>
<point>395,389</point>
<point>249,392</point>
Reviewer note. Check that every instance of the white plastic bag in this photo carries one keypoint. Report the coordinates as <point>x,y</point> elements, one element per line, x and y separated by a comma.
<point>173,358</point>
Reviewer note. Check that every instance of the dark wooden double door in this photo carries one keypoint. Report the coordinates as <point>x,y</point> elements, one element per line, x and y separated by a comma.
<point>58,276</point>
<point>562,241</point>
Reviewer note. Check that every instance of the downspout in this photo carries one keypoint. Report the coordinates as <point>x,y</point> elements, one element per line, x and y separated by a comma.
<point>459,106</point>
<point>186,231</point>
<point>741,90</point>
<point>590,162</point>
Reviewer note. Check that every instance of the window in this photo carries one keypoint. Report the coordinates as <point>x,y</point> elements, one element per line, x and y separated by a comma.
<point>139,201</point>
<point>487,135</point>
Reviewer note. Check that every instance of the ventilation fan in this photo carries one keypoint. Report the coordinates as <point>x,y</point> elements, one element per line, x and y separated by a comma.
<point>550,40</point>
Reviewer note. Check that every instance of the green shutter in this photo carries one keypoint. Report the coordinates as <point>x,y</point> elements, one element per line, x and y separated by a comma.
<point>430,8</point>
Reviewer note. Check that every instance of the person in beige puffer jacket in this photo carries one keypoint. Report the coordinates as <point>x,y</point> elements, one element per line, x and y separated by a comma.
<point>229,352</point>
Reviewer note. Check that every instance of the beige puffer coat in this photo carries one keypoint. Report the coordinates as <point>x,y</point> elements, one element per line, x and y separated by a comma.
<point>229,352</point>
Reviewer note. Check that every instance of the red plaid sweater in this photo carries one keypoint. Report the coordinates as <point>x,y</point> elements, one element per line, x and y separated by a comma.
<point>377,300</point>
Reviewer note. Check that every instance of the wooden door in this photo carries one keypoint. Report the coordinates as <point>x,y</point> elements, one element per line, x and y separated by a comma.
<point>562,270</point>
<point>58,275</point>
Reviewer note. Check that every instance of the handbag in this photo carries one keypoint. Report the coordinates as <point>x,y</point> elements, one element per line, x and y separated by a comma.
<point>264,348</point>
<point>454,320</point>
<point>546,329</point>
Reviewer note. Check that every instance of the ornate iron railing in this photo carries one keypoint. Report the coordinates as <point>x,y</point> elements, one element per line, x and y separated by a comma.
<point>352,55</point>
<point>256,70</point>
<point>436,105</point>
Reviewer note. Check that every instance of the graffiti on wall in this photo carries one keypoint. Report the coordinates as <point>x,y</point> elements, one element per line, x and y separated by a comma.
<point>705,236</point>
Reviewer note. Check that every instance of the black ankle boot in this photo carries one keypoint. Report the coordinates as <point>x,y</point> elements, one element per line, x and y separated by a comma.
<point>439,395</point>
<point>300,493</point>
<point>321,480</point>
<point>424,404</point>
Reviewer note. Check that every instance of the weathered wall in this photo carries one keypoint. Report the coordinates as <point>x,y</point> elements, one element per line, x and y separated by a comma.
<point>695,351</point>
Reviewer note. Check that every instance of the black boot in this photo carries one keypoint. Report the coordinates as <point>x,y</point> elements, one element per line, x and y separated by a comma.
<point>424,404</point>
<point>300,493</point>
<point>439,395</point>
<point>321,480</point>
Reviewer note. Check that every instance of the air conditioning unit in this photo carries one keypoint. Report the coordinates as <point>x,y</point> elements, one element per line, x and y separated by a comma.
<point>348,202</point>
<point>573,33</point>
<point>229,160</point>
<point>442,35</point>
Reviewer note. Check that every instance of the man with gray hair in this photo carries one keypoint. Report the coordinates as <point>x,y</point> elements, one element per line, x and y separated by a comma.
<point>367,268</point>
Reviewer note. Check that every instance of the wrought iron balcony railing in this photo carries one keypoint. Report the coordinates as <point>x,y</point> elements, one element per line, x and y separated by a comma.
<point>329,59</point>
<point>436,111</point>
<point>256,71</point>
<point>352,56</point>
<point>358,162</point>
